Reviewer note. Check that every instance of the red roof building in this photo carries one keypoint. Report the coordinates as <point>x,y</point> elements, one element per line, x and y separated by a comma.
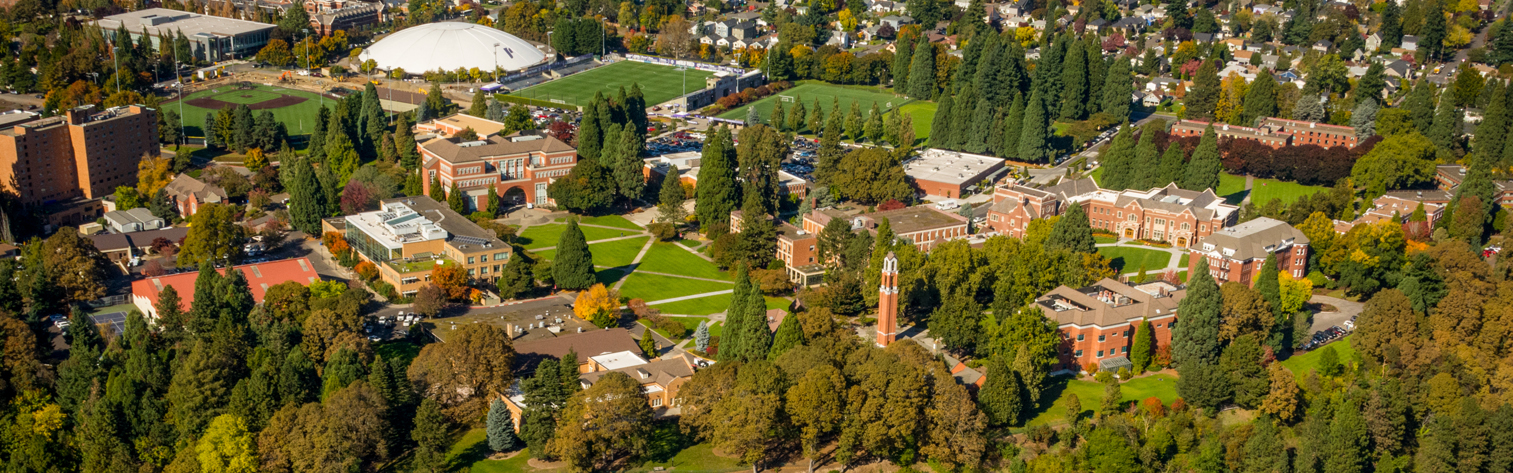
<point>260,277</point>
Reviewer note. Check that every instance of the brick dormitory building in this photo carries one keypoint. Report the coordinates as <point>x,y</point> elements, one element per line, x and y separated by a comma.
<point>1237,253</point>
<point>519,166</point>
<point>1166,213</point>
<point>62,166</point>
<point>925,226</point>
<point>1275,132</point>
<point>1097,323</point>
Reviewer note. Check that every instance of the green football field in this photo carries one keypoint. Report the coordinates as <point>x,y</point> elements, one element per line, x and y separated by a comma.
<point>659,83</point>
<point>827,95</point>
<point>299,117</point>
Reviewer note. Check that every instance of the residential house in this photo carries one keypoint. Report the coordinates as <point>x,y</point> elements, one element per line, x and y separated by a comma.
<point>1323,45</point>
<point>1373,42</point>
<point>1410,43</point>
<point>897,21</point>
<point>188,194</point>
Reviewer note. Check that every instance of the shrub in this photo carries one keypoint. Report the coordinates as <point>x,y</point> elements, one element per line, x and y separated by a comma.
<point>1091,368</point>
<point>1124,373</point>
<point>664,231</point>
<point>639,307</point>
<point>366,270</point>
<point>675,330</point>
<point>384,289</point>
<point>1163,358</point>
<point>1179,405</point>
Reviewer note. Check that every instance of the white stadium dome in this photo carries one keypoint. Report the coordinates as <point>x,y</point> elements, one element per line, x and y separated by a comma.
<point>451,45</point>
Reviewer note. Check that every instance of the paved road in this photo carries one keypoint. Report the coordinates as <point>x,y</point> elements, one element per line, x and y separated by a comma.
<point>1344,311</point>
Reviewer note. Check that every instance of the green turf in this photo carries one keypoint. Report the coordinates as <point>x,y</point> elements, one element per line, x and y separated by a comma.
<point>659,83</point>
<point>298,118</point>
<point>1232,189</point>
<point>826,93</point>
<point>609,221</point>
<point>1302,364</point>
<point>471,450</point>
<point>693,324</point>
<point>542,236</point>
<point>401,350</point>
<point>1104,239</point>
<point>711,305</point>
<point>1130,259</point>
<point>923,113</point>
<point>689,243</point>
<point>652,287</point>
<point>698,457</point>
<point>1183,263</point>
<point>616,253</point>
<point>668,258</point>
<point>1097,175</point>
<point>1090,395</point>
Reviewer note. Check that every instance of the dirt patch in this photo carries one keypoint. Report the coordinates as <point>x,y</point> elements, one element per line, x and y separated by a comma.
<point>280,102</point>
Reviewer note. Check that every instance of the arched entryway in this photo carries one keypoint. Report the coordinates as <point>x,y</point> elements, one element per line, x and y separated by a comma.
<point>1181,242</point>
<point>1129,233</point>
<point>514,195</point>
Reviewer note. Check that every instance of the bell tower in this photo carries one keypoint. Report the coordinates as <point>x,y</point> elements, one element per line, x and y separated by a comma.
<point>887,302</point>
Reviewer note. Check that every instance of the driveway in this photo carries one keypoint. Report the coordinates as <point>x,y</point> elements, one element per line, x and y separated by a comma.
<point>1344,310</point>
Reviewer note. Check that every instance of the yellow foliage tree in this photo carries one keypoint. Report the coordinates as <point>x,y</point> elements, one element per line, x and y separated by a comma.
<point>596,300</point>
<point>255,160</point>
<point>1294,292</point>
<point>153,173</point>
<point>1231,99</point>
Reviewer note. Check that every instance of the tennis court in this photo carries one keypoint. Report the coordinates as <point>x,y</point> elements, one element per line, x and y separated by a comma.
<point>827,94</point>
<point>659,83</point>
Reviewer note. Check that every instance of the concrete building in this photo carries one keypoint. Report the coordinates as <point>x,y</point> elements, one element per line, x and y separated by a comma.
<point>1275,132</point>
<point>133,220</point>
<point>1238,253</point>
<point>949,174</point>
<point>519,166</point>
<point>211,38</point>
<point>59,165</point>
<point>409,237</point>
<point>1097,323</point>
<point>1166,213</point>
<point>260,277</point>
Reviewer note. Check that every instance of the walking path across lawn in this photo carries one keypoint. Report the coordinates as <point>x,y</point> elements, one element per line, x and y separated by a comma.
<point>695,296</point>
<point>606,240</point>
<point>679,276</point>
<point>636,261</point>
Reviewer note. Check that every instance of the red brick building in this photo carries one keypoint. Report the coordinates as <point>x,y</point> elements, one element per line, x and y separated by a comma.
<point>1167,213</point>
<point>1275,132</point>
<point>924,225</point>
<point>1097,323</point>
<point>188,194</point>
<point>519,166</point>
<point>1238,253</point>
<point>260,277</point>
<point>949,174</point>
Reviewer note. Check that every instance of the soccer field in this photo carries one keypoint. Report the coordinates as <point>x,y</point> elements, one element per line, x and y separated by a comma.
<point>658,82</point>
<point>297,109</point>
<point>827,94</point>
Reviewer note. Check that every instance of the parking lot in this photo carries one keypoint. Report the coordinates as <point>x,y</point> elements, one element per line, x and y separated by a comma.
<point>680,142</point>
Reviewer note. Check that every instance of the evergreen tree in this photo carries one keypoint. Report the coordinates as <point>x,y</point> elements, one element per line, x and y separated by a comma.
<point>517,279</point>
<point>796,115</point>
<point>752,117</point>
<point>1432,35</point>
<point>629,178</point>
<point>1013,127</point>
<point>306,195</point>
<point>716,192</point>
<point>437,193</point>
<point>1392,26</point>
<point>1000,397</point>
<point>789,334</point>
<point>1147,162</point>
<point>1118,160</point>
<point>1371,84</point>
<point>1072,232</point>
<point>874,126</point>
<point>1203,99</point>
<point>495,204</point>
<point>902,59</point>
<point>1309,108</point>
<point>1074,77</point>
<point>1195,341</point>
<point>816,118</point>
<point>431,438</point>
<point>922,71</point>
<point>1445,131</point>
<point>457,201</point>
<point>940,126</point>
<point>573,269</point>
<point>1420,105</point>
<point>1491,134</point>
<point>1363,119</point>
<point>1118,87</point>
<point>962,113</point>
<point>854,122</point>
<point>1260,98</point>
<point>701,336</point>
<point>590,129</point>
<point>500,427</point>
<point>404,143</point>
<point>1144,348</point>
<point>778,118</point>
<point>671,197</point>
<point>981,126</point>
<point>1203,169</point>
<point>1345,450</point>
<point>733,340</point>
<point>1034,137</point>
<point>1172,162</point>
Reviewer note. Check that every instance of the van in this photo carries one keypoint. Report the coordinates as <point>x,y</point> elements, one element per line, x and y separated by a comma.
<point>947,205</point>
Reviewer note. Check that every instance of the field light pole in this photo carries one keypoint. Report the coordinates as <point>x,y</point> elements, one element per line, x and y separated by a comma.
<point>178,82</point>
<point>318,92</point>
<point>496,62</point>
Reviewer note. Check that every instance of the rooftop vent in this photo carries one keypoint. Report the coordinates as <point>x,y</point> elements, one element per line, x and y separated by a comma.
<point>471,144</point>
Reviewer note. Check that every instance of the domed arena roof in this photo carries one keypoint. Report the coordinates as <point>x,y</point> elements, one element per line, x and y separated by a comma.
<point>451,45</point>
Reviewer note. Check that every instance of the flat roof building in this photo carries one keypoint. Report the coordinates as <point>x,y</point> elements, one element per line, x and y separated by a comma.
<point>409,237</point>
<point>949,174</point>
<point>212,38</point>
<point>133,220</point>
<point>75,158</point>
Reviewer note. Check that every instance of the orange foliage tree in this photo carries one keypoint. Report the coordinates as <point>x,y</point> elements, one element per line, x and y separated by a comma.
<point>452,279</point>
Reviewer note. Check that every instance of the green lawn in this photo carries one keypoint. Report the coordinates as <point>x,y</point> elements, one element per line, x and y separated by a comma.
<point>1090,395</point>
<point>607,221</point>
<point>1232,189</point>
<point>711,305</point>
<point>616,253</point>
<point>471,450</point>
<point>693,324</point>
<point>1097,175</point>
<point>1302,364</point>
<point>542,236</point>
<point>923,113</point>
<point>1183,263</point>
<point>668,258</point>
<point>658,82</point>
<point>412,266</point>
<point>1104,239</point>
<point>827,94</point>
<point>401,350</point>
<point>298,118</point>
<point>652,287</point>
<point>1128,259</point>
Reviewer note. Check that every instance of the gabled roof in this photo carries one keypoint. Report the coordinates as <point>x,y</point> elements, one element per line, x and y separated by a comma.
<point>661,372</point>
<point>183,186</point>
<point>260,277</point>
<point>586,344</point>
<point>516,144</point>
<point>1252,240</point>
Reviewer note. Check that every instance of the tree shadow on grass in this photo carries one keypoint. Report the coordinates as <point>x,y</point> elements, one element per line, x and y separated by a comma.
<point>473,454</point>
<point>1117,263</point>
<point>1054,388</point>
<point>666,442</point>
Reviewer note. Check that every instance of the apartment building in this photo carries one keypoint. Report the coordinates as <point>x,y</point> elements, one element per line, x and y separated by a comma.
<point>1097,323</point>
<point>1275,132</point>
<point>1166,213</point>
<point>1237,253</point>
<point>409,237</point>
<point>519,166</point>
<point>71,160</point>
